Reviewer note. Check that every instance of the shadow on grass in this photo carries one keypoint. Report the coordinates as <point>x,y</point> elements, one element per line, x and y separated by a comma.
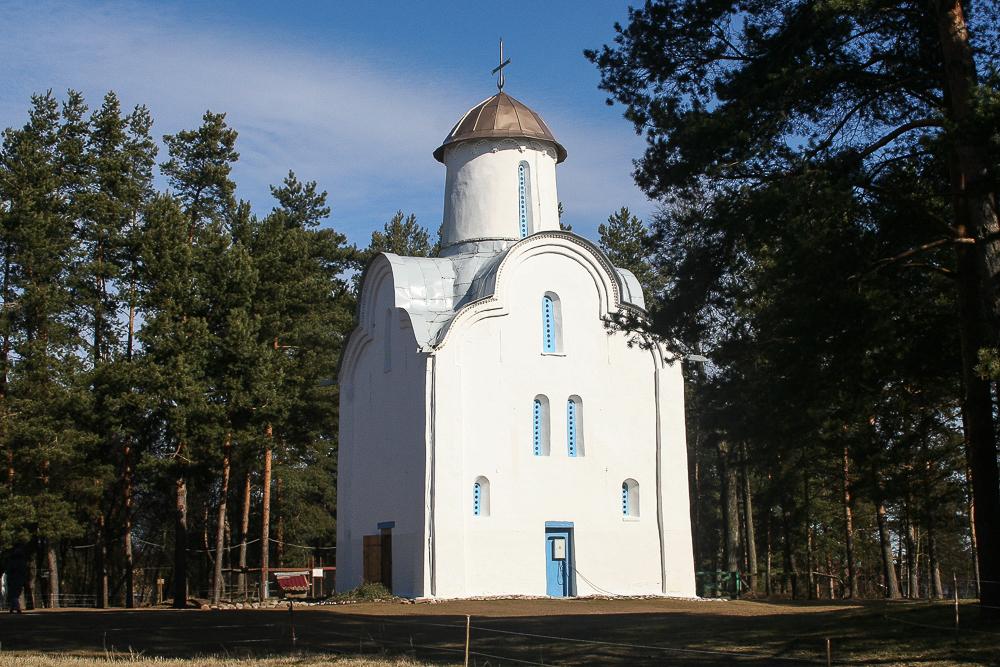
<point>565,633</point>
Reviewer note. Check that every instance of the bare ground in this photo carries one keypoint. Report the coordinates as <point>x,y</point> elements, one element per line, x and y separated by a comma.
<point>532,631</point>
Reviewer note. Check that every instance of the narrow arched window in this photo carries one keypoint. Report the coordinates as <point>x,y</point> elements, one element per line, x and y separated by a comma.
<point>522,195</point>
<point>540,426</point>
<point>524,198</point>
<point>481,497</point>
<point>548,325</point>
<point>387,341</point>
<point>551,324</point>
<point>574,426</point>
<point>630,498</point>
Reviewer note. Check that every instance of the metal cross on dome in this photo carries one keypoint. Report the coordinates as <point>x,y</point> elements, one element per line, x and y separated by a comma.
<point>499,68</point>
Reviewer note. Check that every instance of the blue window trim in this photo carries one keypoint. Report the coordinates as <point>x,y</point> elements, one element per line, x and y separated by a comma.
<point>548,325</point>
<point>477,490</point>
<point>571,427</point>
<point>625,499</point>
<point>387,524</point>
<point>522,196</point>
<point>558,524</point>
<point>538,428</point>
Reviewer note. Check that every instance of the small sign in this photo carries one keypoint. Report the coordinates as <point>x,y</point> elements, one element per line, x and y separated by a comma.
<point>160,582</point>
<point>317,573</point>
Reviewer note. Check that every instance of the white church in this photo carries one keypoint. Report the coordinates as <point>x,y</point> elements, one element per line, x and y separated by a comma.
<point>495,439</point>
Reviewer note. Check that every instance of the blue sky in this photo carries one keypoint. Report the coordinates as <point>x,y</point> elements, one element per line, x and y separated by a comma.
<point>353,95</point>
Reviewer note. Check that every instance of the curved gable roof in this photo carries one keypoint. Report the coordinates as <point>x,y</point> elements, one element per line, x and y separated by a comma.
<point>434,290</point>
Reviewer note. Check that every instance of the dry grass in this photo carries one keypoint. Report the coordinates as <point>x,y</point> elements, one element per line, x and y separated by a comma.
<point>39,660</point>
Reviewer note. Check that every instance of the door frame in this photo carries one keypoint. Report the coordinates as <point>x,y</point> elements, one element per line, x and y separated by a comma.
<point>562,527</point>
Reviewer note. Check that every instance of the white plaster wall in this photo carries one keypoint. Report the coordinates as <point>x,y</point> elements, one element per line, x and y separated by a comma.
<point>481,199</point>
<point>488,372</point>
<point>381,464</point>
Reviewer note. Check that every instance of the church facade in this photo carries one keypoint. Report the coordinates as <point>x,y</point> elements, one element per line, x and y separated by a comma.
<point>495,439</point>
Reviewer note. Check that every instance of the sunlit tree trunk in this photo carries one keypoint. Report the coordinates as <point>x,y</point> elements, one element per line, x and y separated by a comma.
<point>265,533</point>
<point>889,569</point>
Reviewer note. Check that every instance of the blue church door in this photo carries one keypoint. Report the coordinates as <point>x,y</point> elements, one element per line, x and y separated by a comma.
<point>558,573</point>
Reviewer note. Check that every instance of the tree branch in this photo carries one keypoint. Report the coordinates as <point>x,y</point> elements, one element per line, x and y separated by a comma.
<point>911,252</point>
<point>947,273</point>
<point>902,129</point>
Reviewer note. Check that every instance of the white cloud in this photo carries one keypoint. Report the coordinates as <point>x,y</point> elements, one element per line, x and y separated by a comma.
<point>363,132</point>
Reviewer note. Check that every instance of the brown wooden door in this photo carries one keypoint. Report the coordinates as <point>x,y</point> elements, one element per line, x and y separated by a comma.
<point>373,558</point>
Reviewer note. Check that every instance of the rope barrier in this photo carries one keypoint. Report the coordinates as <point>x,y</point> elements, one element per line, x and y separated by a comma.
<point>140,629</point>
<point>299,546</point>
<point>423,646</point>
<point>940,627</point>
<point>733,654</point>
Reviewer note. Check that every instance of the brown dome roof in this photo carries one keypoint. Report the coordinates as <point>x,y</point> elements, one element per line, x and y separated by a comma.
<point>500,116</point>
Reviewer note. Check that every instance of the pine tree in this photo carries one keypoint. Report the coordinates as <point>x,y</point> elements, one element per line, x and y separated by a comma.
<point>402,236</point>
<point>178,338</point>
<point>304,311</point>
<point>880,97</point>
<point>51,468</point>
<point>626,241</point>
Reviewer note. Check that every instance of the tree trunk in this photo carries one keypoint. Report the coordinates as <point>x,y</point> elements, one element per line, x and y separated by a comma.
<point>30,594</point>
<point>129,561</point>
<point>265,536</point>
<point>280,545</point>
<point>888,569</point>
<point>229,557</point>
<point>937,591</point>
<point>912,572</point>
<point>221,527</point>
<point>751,540</point>
<point>852,573</point>
<point>810,562</point>
<point>244,529</point>
<point>53,563</point>
<point>768,584</point>
<point>208,567</point>
<point>972,540</point>
<point>129,566</point>
<point>791,565</point>
<point>975,203</point>
<point>180,545</point>
<point>100,567</point>
<point>730,506</point>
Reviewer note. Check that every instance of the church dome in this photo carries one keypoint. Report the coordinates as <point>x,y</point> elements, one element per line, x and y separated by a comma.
<point>500,116</point>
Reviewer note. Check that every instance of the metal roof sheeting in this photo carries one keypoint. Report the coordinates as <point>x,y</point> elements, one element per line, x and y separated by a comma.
<point>433,289</point>
<point>500,116</point>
